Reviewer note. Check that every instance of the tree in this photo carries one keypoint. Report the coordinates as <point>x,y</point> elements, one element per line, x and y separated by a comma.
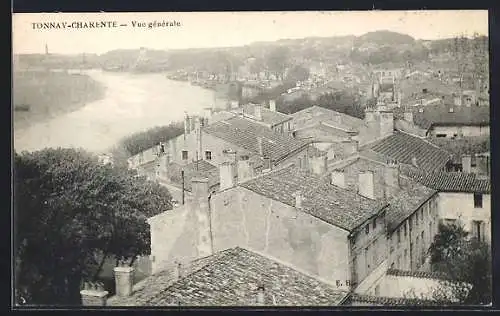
<point>277,60</point>
<point>141,141</point>
<point>71,214</point>
<point>466,264</point>
<point>297,73</point>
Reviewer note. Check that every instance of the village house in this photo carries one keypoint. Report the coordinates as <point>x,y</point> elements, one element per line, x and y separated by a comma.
<point>451,121</point>
<point>270,117</point>
<point>463,199</point>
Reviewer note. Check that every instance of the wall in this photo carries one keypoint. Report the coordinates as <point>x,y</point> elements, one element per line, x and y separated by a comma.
<point>461,206</point>
<point>319,135</point>
<point>241,217</point>
<point>408,253</point>
<point>407,287</point>
<point>466,131</point>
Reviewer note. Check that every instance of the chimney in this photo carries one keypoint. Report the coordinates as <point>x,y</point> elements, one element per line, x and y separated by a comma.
<point>260,146</point>
<point>338,178</point>
<point>414,162</point>
<point>178,271</point>
<point>317,164</point>
<point>227,175</point>
<point>386,123</point>
<point>207,113</point>
<point>272,105</point>
<point>408,116</point>
<point>391,179</point>
<point>349,147</point>
<point>200,207</point>
<point>124,280</point>
<point>258,112</point>
<point>187,125</point>
<point>199,146</point>
<point>466,163</point>
<point>260,299</point>
<point>245,169</point>
<point>366,184</point>
<point>298,199</point>
<point>93,294</point>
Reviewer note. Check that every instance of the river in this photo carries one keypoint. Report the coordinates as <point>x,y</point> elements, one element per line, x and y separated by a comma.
<point>132,103</point>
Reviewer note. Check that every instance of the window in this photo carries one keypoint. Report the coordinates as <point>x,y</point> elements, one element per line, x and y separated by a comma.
<point>399,236</point>
<point>416,218</point>
<point>478,200</point>
<point>184,155</point>
<point>368,258</point>
<point>440,135</point>
<point>374,224</point>
<point>399,262</point>
<point>406,255</point>
<point>473,161</point>
<point>450,221</point>
<point>410,222</point>
<point>405,233</point>
<point>422,215</point>
<point>367,229</point>
<point>422,236</point>
<point>377,290</point>
<point>208,155</point>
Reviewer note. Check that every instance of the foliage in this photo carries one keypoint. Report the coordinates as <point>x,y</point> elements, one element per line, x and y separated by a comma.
<point>297,73</point>
<point>466,264</point>
<point>71,214</point>
<point>277,60</point>
<point>339,101</point>
<point>141,141</point>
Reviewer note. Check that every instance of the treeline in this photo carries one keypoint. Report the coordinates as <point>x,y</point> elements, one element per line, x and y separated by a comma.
<point>141,141</point>
<point>388,54</point>
<point>340,101</point>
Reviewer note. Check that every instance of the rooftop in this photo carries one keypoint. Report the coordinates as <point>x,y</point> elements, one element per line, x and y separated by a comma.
<point>316,114</point>
<point>231,278</point>
<point>200,168</point>
<point>244,133</point>
<point>269,117</point>
<point>404,147</point>
<point>439,114</point>
<point>340,207</point>
<point>391,301</point>
<point>463,146</point>
<point>449,181</point>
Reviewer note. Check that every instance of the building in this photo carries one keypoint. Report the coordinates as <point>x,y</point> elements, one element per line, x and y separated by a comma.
<point>232,277</point>
<point>463,198</point>
<point>410,150</point>
<point>451,121</point>
<point>251,90</point>
<point>270,117</point>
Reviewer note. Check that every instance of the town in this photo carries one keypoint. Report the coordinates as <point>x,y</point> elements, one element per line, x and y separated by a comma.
<point>347,171</point>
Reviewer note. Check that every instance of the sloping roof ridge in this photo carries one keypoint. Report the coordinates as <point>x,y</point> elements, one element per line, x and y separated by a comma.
<point>425,140</point>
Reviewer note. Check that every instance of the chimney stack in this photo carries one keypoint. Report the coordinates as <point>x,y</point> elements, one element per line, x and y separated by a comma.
<point>207,113</point>
<point>298,199</point>
<point>245,169</point>
<point>366,184</point>
<point>258,112</point>
<point>187,125</point>
<point>199,145</point>
<point>93,294</point>
<point>200,207</point>
<point>272,105</point>
<point>261,296</point>
<point>338,179</point>
<point>124,280</point>
<point>260,146</point>
<point>386,118</point>
<point>414,162</point>
<point>227,175</point>
<point>466,163</point>
<point>391,179</point>
<point>200,188</point>
<point>178,270</point>
<point>317,164</point>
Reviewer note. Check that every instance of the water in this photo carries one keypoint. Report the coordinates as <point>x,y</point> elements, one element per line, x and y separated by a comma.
<point>133,102</point>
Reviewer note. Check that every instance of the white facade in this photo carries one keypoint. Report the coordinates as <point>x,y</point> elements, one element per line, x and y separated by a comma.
<point>468,209</point>
<point>466,131</point>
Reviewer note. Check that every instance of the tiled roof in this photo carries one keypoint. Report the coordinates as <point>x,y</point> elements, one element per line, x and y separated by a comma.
<point>406,203</point>
<point>316,114</point>
<point>269,117</point>
<point>439,114</point>
<point>341,207</point>
<point>392,301</point>
<point>231,278</point>
<point>417,274</point>
<point>404,147</point>
<point>449,181</point>
<point>463,146</point>
<point>201,168</point>
<point>244,133</point>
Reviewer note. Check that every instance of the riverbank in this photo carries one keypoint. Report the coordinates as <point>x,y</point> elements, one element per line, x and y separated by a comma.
<point>42,95</point>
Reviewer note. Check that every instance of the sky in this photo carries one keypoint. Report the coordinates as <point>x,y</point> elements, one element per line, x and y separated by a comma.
<point>224,29</point>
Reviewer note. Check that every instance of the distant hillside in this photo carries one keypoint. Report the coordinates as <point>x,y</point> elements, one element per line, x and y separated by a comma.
<point>384,38</point>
